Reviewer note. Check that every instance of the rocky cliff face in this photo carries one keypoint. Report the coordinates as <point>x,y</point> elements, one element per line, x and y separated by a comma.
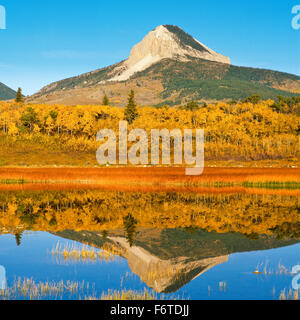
<point>165,42</point>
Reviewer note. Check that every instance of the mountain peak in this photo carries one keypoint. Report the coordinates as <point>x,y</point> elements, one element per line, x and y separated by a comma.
<point>186,40</point>
<point>169,67</point>
<point>165,42</point>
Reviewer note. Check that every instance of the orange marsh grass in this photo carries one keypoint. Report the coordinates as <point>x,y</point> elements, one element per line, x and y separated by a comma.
<point>151,175</point>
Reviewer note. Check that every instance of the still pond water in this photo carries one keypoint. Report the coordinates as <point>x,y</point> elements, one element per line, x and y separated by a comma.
<point>92,244</point>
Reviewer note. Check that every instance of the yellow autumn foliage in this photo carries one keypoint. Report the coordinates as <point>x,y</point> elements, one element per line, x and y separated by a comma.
<point>240,132</point>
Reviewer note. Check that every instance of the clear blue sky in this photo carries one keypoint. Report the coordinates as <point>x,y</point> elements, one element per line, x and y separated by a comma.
<point>50,40</point>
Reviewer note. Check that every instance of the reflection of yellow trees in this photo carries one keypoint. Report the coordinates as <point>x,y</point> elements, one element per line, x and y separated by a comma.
<point>243,131</point>
<point>98,211</point>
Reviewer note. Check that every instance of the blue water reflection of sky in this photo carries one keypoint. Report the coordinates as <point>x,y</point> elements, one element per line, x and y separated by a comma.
<point>32,260</point>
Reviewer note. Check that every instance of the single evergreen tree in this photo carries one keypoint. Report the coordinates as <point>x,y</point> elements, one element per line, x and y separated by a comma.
<point>19,96</point>
<point>105,100</point>
<point>131,109</point>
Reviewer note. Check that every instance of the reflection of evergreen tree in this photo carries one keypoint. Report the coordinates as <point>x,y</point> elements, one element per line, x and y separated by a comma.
<point>18,236</point>
<point>130,228</point>
<point>104,234</point>
<point>190,230</point>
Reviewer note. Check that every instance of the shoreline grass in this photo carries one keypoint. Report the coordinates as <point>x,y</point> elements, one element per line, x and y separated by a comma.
<point>84,253</point>
<point>13,181</point>
<point>290,185</point>
<point>29,289</point>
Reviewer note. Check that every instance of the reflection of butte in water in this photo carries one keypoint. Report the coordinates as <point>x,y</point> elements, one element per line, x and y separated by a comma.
<point>166,260</point>
<point>165,275</point>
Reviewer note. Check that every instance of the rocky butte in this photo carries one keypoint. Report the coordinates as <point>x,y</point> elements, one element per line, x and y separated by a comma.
<point>165,42</point>
<point>171,67</point>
